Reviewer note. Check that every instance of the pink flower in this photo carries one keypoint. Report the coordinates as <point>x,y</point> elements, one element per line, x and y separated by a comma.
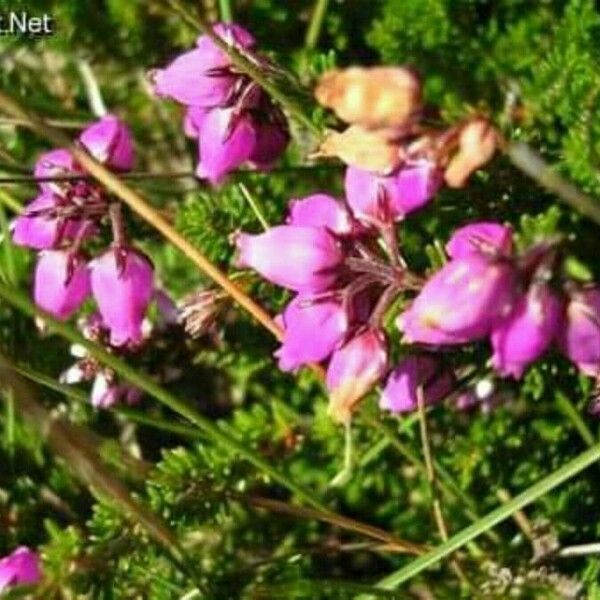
<point>378,199</point>
<point>460,303</point>
<point>122,284</point>
<point>54,164</point>
<point>106,393</point>
<point>480,238</point>
<point>400,393</point>
<point>354,369</point>
<point>61,283</point>
<point>303,259</point>
<point>110,142</point>
<point>272,138</point>
<point>203,77</point>
<point>22,567</point>
<point>579,334</point>
<point>313,328</point>
<point>321,210</point>
<point>526,333</point>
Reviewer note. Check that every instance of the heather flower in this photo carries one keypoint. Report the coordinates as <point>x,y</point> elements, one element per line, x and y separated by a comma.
<point>22,567</point>
<point>461,302</point>
<point>579,333</point>
<point>122,284</point>
<point>526,333</point>
<point>379,199</point>
<point>54,163</point>
<point>414,372</point>
<point>312,329</point>
<point>204,77</point>
<point>353,370</point>
<point>110,142</point>
<point>303,259</point>
<point>321,210</point>
<point>480,238</point>
<point>106,392</point>
<point>61,282</point>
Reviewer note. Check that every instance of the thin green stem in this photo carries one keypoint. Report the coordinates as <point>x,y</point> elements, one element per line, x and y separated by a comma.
<point>565,405</point>
<point>254,206</point>
<point>216,433</point>
<point>531,494</point>
<point>10,202</point>
<point>226,11</point>
<point>316,24</point>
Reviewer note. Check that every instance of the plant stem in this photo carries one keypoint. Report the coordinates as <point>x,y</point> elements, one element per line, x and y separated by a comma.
<point>225,11</point>
<point>216,433</point>
<point>254,206</point>
<point>531,494</point>
<point>566,407</point>
<point>144,210</point>
<point>316,24</point>
<point>532,164</point>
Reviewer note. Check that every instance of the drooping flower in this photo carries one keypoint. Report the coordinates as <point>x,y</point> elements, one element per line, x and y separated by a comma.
<point>312,330</point>
<point>122,284</point>
<point>483,237</point>
<point>37,227</point>
<point>461,302</point>
<point>61,282</point>
<point>353,370</point>
<point>106,393</point>
<point>22,567</point>
<point>204,76</point>
<point>527,332</point>
<point>321,210</point>
<point>303,259</point>
<point>379,199</point>
<point>110,142</point>
<point>414,372</point>
<point>579,333</point>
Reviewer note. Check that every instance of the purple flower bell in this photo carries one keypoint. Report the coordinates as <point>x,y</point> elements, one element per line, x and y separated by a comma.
<point>460,303</point>
<point>303,259</point>
<point>22,567</point>
<point>312,329</point>
<point>527,332</point>
<point>379,199</point>
<point>400,392</point>
<point>579,334</point>
<point>488,238</point>
<point>321,210</point>
<point>110,142</point>
<point>122,284</point>
<point>354,369</point>
<point>61,282</point>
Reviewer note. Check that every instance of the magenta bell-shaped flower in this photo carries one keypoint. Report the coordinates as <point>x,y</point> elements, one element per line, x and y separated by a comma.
<point>353,370</point>
<point>110,142</point>
<point>460,303</point>
<point>303,259</point>
<point>61,282</point>
<point>379,199</point>
<point>202,77</point>
<point>312,329</point>
<point>321,210</point>
<point>54,164</point>
<point>579,333</point>
<point>493,239</point>
<point>527,332</point>
<point>122,284</point>
<point>400,392</point>
<point>22,567</point>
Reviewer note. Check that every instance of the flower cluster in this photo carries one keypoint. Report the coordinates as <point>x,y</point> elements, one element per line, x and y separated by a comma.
<point>328,252</point>
<point>233,118</point>
<point>22,567</point>
<point>68,212</point>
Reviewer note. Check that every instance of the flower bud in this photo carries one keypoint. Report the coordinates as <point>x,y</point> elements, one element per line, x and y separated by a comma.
<point>22,567</point>
<point>303,259</point>
<point>527,332</point>
<point>372,97</point>
<point>61,283</point>
<point>302,318</point>
<point>110,141</point>
<point>354,369</point>
<point>480,238</point>
<point>579,334</point>
<point>460,303</point>
<point>122,284</point>
<point>379,199</point>
<point>477,144</point>
<point>369,150</point>
<point>414,372</point>
<point>321,210</point>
